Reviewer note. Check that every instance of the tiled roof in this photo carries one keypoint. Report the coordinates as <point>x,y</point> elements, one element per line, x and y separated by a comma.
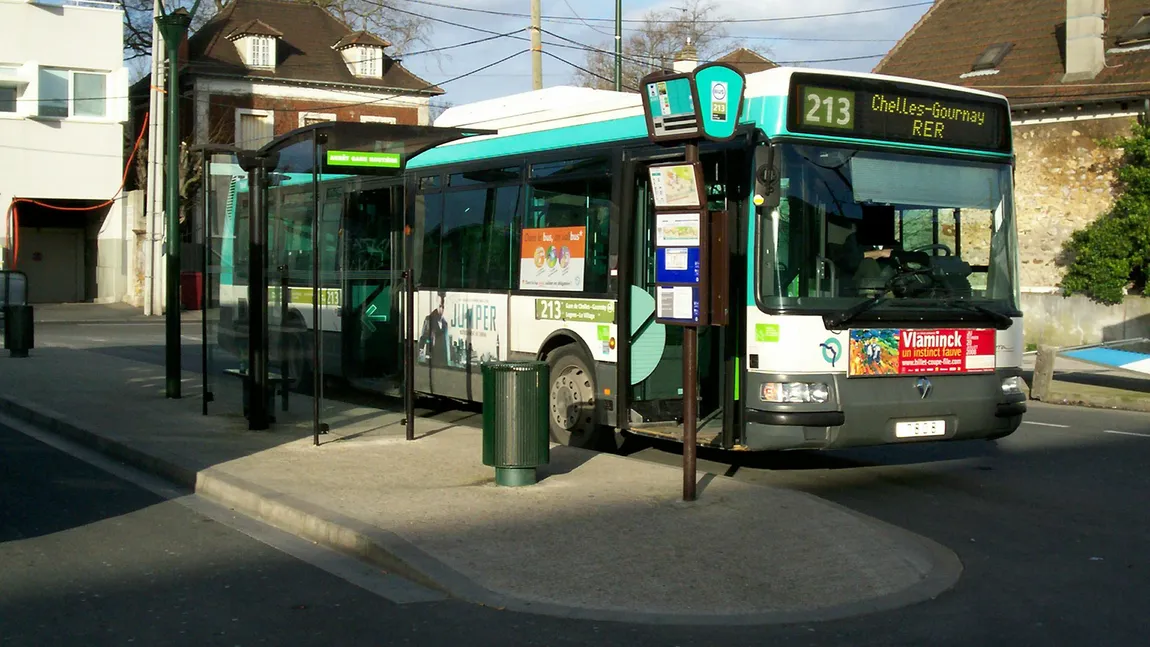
<point>361,38</point>
<point>255,27</point>
<point>953,33</point>
<point>305,51</point>
<point>746,61</point>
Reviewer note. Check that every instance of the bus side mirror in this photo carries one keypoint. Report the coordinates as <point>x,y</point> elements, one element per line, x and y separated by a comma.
<point>766,177</point>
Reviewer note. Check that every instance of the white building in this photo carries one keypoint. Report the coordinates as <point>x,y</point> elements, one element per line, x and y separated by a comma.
<point>63,105</point>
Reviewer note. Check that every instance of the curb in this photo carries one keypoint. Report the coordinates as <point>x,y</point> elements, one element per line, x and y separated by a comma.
<point>396,555</point>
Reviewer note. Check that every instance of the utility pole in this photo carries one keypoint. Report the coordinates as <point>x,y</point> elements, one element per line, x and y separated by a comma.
<point>174,28</point>
<point>618,45</point>
<point>155,154</point>
<point>536,47</point>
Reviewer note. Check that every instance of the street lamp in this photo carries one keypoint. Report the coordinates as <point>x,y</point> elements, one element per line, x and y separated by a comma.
<point>174,28</point>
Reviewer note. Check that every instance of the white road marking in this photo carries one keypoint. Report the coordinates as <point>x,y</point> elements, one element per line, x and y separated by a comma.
<point>1044,424</point>
<point>1125,433</point>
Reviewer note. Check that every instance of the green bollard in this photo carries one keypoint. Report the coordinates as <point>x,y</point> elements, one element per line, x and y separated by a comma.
<point>18,330</point>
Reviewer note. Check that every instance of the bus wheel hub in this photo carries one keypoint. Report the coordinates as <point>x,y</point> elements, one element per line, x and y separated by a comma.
<point>570,394</point>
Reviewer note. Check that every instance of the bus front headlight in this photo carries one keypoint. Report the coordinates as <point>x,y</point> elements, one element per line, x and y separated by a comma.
<point>795,392</point>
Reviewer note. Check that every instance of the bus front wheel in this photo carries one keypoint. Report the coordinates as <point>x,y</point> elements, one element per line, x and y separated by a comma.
<point>571,402</point>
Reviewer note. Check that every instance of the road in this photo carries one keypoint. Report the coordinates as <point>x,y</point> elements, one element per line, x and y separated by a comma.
<point>1050,524</point>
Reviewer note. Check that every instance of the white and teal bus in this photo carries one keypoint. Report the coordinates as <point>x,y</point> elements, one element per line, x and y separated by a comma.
<point>872,264</point>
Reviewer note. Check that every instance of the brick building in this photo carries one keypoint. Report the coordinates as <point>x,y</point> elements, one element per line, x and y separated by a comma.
<point>261,68</point>
<point>1075,72</point>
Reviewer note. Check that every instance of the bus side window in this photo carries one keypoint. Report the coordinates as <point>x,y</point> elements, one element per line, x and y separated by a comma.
<point>577,203</point>
<point>428,236</point>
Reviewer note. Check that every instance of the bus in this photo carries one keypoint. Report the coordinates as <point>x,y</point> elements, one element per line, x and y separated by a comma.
<point>871,261</point>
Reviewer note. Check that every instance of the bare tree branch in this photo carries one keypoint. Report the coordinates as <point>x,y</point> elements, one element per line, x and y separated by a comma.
<point>654,44</point>
<point>402,30</point>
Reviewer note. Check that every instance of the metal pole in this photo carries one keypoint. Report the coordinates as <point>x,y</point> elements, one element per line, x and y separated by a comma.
<point>536,47</point>
<point>690,368</point>
<point>618,45</point>
<point>173,27</point>
<point>409,348</point>
<point>257,298</point>
<point>318,139</point>
<point>154,155</point>
<point>205,284</point>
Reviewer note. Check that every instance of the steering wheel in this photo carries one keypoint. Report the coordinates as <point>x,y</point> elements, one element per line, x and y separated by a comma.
<point>924,248</point>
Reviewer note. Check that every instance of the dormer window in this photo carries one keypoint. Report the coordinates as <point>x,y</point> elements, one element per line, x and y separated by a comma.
<point>261,51</point>
<point>363,53</point>
<point>370,61</point>
<point>991,57</point>
<point>1139,34</point>
<point>256,43</point>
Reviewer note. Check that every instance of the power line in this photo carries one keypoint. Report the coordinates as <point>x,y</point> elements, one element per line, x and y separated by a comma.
<point>405,93</point>
<point>587,71</point>
<point>815,40</point>
<point>589,25</point>
<point>568,19</point>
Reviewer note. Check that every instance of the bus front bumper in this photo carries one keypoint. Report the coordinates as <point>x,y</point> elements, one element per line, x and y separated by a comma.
<point>867,411</point>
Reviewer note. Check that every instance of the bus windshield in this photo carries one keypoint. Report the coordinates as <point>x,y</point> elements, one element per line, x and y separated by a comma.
<point>857,226</point>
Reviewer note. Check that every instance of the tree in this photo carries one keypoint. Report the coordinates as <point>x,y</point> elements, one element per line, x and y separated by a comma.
<point>1112,254</point>
<point>655,42</point>
<point>380,17</point>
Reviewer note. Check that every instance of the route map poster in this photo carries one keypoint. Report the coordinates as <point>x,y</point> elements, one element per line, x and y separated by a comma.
<point>552,258</point>
<point>675,186</point>
<point>894,351</point>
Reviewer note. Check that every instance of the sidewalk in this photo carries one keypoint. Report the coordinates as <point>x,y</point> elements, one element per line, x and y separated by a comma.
<point>99,313</point>
<point>1090,385</point>
<point>601,536</point>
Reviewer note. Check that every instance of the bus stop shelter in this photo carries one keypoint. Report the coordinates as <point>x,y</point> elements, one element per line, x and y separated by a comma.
<point>307,248</point>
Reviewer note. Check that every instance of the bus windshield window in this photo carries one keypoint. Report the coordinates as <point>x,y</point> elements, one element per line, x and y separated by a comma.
<point>857,224</point>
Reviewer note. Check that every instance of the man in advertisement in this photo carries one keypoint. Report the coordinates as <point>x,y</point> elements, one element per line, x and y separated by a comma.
<point>433,339</point>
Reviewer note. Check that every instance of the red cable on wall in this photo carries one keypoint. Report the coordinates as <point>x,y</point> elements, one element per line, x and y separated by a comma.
<point>14,216</point>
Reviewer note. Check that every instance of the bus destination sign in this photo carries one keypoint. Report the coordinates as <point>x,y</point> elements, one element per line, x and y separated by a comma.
<point>864,108</point>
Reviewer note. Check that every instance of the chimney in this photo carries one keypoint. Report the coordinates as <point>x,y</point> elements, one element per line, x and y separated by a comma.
<point>1085,29</point>
<point>686,59</point>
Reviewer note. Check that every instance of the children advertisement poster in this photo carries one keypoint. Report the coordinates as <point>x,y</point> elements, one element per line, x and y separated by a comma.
<point>893,351</point>
<point>552,258</point>
<point>457,330</point>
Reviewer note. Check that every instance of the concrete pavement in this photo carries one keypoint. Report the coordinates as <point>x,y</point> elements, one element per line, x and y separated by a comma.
<point>98,313</point>
<point>600,536</point>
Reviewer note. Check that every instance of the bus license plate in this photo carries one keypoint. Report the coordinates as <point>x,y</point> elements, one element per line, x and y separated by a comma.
<point>920,428</point>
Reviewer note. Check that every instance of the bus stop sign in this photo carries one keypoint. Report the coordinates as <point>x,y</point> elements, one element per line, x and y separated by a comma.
<point>705,103</point>
<point>720,90</point>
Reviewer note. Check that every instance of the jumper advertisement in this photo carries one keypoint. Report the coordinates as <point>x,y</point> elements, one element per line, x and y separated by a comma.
<point>892,351</point>
<point>460,329</point>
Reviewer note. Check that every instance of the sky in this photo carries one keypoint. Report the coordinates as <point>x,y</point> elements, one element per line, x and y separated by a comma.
<point>788,41</point>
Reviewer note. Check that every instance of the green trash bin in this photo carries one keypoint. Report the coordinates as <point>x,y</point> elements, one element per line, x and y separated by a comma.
<point>516,438</point>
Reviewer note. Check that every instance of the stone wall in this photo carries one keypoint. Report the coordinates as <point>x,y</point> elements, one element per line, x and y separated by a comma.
<point>1077,321</point>
<point>1063,181</point>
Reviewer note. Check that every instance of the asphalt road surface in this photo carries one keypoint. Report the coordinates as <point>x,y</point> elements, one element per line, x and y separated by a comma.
<point>1050,523</point>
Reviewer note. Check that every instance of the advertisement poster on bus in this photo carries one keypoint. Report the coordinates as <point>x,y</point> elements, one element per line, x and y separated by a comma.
<point>552,258</point>
<point>894,351</point>
<point>460,329</point>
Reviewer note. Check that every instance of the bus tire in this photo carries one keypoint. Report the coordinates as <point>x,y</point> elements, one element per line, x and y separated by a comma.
<point>571,400</point>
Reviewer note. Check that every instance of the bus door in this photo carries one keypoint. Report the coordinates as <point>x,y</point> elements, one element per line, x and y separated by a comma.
<point>655,374</point>
<point>370,271</point>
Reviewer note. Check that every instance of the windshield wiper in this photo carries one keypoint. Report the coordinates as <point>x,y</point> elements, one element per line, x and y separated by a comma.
<point>1001,321</point>
<point>837,320</point>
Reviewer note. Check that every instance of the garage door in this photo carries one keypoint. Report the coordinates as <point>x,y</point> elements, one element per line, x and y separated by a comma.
<point>53,259</point>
